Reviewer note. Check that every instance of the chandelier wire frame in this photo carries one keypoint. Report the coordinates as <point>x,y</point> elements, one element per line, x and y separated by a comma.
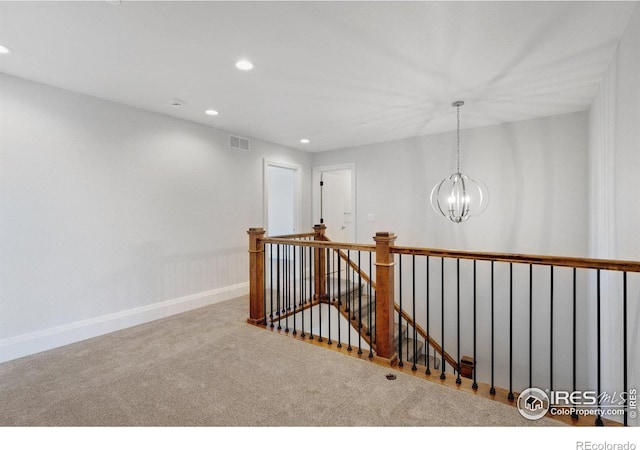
<point>459,197</point>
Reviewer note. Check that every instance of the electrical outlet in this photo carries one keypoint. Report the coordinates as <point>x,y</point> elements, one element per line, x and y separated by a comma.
<point>369,217</point>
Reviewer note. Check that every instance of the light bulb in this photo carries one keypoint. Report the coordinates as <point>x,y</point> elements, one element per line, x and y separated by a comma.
<point>244,65</point>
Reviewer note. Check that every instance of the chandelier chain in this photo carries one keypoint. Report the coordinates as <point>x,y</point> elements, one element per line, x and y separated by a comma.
<point>458,147</point>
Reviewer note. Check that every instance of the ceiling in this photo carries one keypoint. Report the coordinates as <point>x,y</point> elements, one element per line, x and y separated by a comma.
<point>340,74</point>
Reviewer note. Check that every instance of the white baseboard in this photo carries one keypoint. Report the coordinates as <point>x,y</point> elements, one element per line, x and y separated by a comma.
<point>47,339</point>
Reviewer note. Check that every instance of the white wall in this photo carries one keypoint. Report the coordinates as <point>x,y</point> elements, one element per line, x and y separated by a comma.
<point>110,215</point>
<point>614,152</point>
<point>536,172</point>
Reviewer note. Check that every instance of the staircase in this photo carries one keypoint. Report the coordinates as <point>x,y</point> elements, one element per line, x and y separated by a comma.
<point>360,310</point>
<point>355,305</point>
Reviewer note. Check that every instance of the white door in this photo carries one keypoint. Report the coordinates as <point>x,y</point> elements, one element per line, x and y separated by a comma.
<point>334,201</point>
<point>281,199</point>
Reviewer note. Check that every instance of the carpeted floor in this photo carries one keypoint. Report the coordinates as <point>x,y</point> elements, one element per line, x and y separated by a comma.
<point>208,367</point>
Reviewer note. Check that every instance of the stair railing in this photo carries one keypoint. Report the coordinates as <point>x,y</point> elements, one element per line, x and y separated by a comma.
<point>557,341</point>
<point>545,322</point>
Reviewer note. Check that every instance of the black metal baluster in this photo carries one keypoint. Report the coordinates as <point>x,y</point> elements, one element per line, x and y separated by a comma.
<point>278,286</point>
<point>359,305</point>
<point>339,299</point>
<point>271,284</point>
<point>349,308</point>
<point>599,421</point>
<point>312,293</point>
<point>492,390</point>
<point>320,300</point>
<point>369,312</point>
<point>530,325</point>
<point>458,379</point>
<point>289,276</point>
<point>311,272</point>
<point>574,414</point>
<point>474,386</point>
<point>510,396</point>
<point>428,338</point>
<point>400,337</point>
<point>264,282</point>
<point>295,291</point>
<point>624,347</point>
<point>444,361</point>
<point>413,295</point>
<point>551,334</point>
<point>287,284</point>
<point>302,288</point>
<point>329,294</point>
<point>301,274</point>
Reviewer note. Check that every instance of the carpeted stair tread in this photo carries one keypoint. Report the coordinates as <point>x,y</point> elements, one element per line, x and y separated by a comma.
<point>434,362</point>
<point>408,348</point>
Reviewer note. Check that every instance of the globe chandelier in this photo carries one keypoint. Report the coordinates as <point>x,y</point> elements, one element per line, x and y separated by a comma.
<point>459,197</point>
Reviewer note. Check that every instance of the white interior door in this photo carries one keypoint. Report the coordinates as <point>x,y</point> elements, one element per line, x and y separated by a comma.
<point>281,196</point>
<point>334,201</point>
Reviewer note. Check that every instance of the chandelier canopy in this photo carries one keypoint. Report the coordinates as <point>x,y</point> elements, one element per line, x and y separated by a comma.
<point>458,197</point>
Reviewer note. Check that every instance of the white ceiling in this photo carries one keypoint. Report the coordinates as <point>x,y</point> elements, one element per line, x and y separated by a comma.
<point>338,73</point>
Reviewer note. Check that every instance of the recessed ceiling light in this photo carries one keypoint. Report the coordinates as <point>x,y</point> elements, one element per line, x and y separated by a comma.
<point>4,50</point>
<point>304,141</point>
<point>243,64</point>
<point>211,112</point>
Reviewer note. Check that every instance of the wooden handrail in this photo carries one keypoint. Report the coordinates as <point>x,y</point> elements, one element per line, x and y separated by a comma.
<point>293,236</point>
<point>353,265</point>
<point>560,261</point>
<point>320,244</point>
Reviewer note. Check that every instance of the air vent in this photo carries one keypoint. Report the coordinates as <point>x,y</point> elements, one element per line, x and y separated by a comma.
<point>238,143</point>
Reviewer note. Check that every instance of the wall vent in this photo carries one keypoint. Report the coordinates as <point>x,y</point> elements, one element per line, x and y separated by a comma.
<point>238,143</point>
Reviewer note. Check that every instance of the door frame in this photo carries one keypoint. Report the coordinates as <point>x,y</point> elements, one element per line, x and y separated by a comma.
<point>296,195</point>
<point>315,192</point>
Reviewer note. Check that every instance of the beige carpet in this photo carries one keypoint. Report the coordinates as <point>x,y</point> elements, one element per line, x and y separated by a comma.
<point>208,367</point>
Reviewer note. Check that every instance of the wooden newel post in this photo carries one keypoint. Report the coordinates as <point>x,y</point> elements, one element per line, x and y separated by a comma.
<point>256,276</point>
<point>319,265</point>
<point>385,289</point>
